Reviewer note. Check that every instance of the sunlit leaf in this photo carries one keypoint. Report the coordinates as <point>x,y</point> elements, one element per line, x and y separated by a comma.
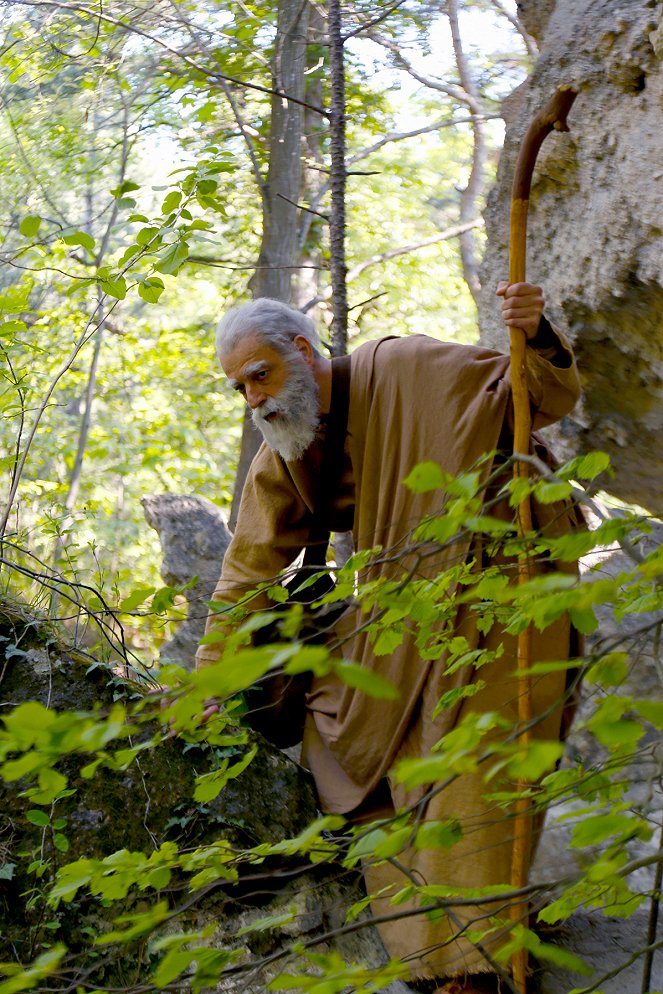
<point>29,226</point>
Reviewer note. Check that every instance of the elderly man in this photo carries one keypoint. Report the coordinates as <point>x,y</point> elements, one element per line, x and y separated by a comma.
<point>411,400</point>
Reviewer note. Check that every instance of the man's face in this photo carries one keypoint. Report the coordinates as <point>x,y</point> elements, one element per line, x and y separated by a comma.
<point>281,391</point>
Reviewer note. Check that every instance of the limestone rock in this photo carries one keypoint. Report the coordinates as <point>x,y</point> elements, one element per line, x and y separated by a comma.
<point>607,944</point>
<point>534,15</point>
<point>194,537</point>
<point>595,235</point>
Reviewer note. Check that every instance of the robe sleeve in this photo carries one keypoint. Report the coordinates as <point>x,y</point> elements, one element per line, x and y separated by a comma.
<point>552,376</point>
<point>272,528</point>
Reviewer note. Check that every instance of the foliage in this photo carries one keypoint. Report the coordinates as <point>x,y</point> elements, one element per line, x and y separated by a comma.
<point>595,797</point>
<point>134,145</point>
<point>135,149</point>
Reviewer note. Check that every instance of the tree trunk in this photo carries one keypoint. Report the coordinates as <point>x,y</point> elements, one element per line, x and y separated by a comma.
<point>279,250</point>
<point>338,177</point>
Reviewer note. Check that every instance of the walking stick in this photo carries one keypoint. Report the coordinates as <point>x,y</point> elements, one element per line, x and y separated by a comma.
<point>553,116</point>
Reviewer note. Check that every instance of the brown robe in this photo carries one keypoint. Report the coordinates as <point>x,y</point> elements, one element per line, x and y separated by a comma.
<point>411,400</point>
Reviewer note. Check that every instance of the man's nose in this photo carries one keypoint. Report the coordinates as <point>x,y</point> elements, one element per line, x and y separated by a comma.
<point>255,396</point>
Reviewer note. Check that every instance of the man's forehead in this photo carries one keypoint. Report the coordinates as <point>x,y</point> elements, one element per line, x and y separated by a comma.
<point>248,356</point>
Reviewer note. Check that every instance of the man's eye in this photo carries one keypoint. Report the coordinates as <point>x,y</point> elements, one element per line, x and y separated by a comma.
<point>261,374</point>
<point>240,388</point>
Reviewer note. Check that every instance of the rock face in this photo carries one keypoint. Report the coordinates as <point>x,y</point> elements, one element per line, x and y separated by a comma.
<point>610,944</point>
<point>595,233</point>
<point>194,538</point>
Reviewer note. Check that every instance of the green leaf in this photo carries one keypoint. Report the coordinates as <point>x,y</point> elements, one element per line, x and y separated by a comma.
<point>151,289</point>
<point>424,477</point>
<point>145,235</point>
<point>547,492</point>
<point>171,260</point>
<point>115,287</point>
<point>452,697</point>
<point>438,834</point>
<point>365,680</point>
<point>651,711</point>
<point>583,619</point>
<point>39,818</point>
<point>16,299</point>
<point>8,329</point>
<point>61,842</point>
<point>586,467</point>
<point>69,879</point>
<point>171,202</point>
<point>139,925</point>
<point>28,723</point>
<point>7,871</point>
<point>538,759</point>
<point>135,598</point>
<point>610,671</point>
<point>267,923</point>
<point>26,979</point>
<point>172,965</point>
<point>388,639</point>
<point>125,187</point>
<point>79,238</point>
<point>209,785</point>
<point>594,829</point>
<point>29,226</point>
<point>50,784</point>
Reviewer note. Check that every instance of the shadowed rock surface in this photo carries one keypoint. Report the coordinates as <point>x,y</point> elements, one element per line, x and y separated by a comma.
<point>595,233</point>
<point>194,537</point>
<point>147,804</point>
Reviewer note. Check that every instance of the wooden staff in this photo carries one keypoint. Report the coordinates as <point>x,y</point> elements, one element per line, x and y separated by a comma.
<point>553,116</point>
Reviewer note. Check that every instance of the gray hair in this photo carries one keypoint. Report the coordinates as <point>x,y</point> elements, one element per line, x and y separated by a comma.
<point>273,322</point>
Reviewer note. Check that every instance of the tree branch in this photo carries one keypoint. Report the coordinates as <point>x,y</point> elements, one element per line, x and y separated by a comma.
<point>357,270</point>
<point>395,136</point>
<point>530,44</point>
<point>376,20</point>
<point>187,59</point>
<point>455,92</point>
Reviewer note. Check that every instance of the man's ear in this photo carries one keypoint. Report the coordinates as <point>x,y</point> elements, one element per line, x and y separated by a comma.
<point>303,345</point>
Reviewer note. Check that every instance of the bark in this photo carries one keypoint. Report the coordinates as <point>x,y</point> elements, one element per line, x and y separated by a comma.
<point>470,195</point>
<point>338,180</point>
<point>279,250</point>
<point>315,173</point>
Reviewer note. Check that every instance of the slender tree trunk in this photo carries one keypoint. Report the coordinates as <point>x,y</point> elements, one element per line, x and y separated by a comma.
<point>470,195</point>
<point>279,251</point>
<point>314,175</point>
<point>338,265</point>
<point>91,387</point>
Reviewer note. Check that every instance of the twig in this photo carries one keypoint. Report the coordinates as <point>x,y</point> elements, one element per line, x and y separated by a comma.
<point>302,207</point>
<point>376,20</point>
<point>65,367</point>
<point>652,924</point>
<point>187,59</point>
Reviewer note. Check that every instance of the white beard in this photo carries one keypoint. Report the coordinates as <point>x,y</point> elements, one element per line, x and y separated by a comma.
<point>298,405</point>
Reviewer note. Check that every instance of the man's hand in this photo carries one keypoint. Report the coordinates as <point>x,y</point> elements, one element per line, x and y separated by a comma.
<point>522,306</point>
<point>210,708</point>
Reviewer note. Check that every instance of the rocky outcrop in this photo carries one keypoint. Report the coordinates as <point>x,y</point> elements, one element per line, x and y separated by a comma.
<point>194,537</point>
<point>595,234</point>
<point>142,806</point>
